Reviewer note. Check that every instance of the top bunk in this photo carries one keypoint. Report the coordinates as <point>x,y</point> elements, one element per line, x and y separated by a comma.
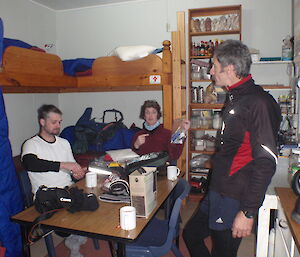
<point>29,71</point>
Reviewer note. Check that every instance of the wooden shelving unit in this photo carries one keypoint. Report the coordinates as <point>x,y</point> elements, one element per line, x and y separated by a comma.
<point>194,38</point>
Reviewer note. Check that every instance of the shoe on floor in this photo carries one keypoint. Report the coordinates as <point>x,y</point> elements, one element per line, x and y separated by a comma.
<point>73,242</point>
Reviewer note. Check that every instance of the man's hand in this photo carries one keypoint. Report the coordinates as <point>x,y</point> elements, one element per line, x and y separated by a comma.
<point>242,225</point>
<point>141,139</point>
<point>77,171</point>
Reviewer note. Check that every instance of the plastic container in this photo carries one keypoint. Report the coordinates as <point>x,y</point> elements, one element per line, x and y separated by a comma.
<point>287,49</point>
<point>217,120</point>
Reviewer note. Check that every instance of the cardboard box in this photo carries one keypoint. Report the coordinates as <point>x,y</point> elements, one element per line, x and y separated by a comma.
<point>143,187</point>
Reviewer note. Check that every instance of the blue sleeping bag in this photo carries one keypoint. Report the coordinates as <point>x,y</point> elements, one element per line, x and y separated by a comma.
<point>72,66</point>
<point>10,194</point>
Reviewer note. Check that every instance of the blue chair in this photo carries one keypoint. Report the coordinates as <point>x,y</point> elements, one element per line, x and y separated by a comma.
<point>159,236</point>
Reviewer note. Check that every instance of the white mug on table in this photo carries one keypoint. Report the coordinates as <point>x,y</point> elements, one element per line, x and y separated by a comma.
<point>172,172</point>
<point>91,179</point>
<point>128,217</point>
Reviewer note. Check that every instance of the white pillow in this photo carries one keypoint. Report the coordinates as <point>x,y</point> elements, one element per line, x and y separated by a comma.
<point>130,53</point>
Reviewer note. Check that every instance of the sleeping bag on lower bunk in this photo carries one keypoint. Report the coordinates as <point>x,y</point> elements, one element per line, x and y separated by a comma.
<point>10,194</point>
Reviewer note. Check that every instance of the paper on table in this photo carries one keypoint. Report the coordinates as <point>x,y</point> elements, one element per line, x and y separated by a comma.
<point>122,154</point>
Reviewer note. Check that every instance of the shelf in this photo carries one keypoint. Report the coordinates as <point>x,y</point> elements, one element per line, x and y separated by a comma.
<point>203,152</point>
<point>194,39</point>
<point>208,33</point>
<point>206,106</point>
<point>201,80</point>
<point>196,174</point>
<point>209,129</point>
<point>200,56</point>
<point>273,62</point>
<point>276,87</point>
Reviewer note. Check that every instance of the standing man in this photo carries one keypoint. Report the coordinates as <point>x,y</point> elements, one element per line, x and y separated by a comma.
<point>49,161</point>
<point>245,160</point>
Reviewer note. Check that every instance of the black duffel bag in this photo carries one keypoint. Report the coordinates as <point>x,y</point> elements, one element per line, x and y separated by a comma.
<point>50,199</point>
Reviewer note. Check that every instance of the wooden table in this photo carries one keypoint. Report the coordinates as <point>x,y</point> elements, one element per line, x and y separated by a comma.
<point>102,223</point>
<point>288,200</point>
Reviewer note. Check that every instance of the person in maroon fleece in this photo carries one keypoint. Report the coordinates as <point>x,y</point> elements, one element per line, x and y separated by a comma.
<point>154,137</point>
<point>245,160</point>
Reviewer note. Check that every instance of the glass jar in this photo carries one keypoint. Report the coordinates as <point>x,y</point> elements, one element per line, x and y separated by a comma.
<point>217,120</point>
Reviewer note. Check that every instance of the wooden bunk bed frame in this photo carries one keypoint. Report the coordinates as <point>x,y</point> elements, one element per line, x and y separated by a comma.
<point>28,71</point>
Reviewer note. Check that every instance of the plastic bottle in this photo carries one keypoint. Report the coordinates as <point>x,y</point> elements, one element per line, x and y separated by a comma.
<point>287,49</point>
<point>216,43</point>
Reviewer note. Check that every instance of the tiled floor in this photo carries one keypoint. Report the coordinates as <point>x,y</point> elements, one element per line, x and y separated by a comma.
<point>247,248</point>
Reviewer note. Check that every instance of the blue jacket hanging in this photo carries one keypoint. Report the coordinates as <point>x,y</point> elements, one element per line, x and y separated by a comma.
<point>10,194</point>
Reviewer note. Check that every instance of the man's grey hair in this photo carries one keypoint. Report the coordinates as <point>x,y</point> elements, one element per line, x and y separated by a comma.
<point>45,109</point>
<point>234,52</point>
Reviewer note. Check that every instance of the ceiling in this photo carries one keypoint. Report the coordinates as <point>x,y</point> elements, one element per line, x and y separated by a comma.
<point>59,5</point>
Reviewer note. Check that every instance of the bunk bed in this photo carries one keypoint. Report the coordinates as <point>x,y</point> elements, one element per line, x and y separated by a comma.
<point>25,70</point>
<point>29,71</point>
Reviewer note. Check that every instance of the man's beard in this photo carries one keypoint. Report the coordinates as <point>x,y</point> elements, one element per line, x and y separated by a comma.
<point>56,132</point>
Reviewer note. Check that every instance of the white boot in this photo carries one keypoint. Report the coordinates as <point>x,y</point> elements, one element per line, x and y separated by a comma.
<point>73,242</point>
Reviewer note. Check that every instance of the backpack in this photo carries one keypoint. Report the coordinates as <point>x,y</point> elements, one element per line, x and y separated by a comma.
<point>91,135</point>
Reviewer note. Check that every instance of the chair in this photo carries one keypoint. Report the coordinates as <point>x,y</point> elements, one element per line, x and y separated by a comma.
<point>28,202</point>
<point>159,236</point>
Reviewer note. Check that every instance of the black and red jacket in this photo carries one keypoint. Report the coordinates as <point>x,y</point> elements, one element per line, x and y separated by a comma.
<point>246,155</point>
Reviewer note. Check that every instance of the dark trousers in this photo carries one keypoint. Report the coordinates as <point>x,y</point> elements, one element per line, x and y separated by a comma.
<point>196,230</point>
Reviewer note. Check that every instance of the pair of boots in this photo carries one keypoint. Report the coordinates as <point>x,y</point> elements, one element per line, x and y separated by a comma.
<point>73,242</point>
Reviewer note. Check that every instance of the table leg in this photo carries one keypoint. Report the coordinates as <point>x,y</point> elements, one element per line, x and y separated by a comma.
<point>25,247</point>
<point>167,208</point>
<point>263,232</point>
<point>263,225</point>
<point>121,250</point>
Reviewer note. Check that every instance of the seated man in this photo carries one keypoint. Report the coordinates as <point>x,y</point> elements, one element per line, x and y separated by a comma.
<point>49,159</point>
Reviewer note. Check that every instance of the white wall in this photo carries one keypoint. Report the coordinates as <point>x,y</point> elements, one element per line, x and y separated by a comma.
<point>94,32</point>
<point>35,25</point>
<point>21,110</point>
<point>29,22</point>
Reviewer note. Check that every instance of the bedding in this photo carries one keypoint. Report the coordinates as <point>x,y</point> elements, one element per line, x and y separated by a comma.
<point>73,67</point>
<point>131,53</point>
<point>78,67</point>
<point>83,66</point>
<point>19,43</point>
